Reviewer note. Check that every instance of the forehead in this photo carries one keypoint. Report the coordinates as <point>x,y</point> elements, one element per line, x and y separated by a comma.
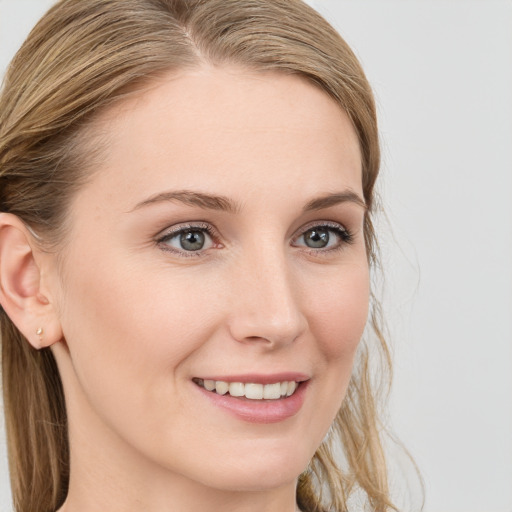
<point>209,124</point>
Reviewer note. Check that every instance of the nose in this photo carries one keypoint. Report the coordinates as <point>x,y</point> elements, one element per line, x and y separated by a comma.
<point>266,305</point>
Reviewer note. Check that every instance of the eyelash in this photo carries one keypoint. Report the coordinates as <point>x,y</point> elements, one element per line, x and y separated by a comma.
<point>179,230</point>
<point>343,234</point>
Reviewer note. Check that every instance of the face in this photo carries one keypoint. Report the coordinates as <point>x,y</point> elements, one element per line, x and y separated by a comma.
<point>214,283</point>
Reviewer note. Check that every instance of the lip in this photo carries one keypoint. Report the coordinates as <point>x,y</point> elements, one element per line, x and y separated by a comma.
<point>259,411</point>
<point>259,378</point>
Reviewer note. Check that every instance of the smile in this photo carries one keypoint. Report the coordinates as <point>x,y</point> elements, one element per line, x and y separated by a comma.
<point>250,390</point>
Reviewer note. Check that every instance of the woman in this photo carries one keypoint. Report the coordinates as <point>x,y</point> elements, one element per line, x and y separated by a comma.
<point>185,248</point>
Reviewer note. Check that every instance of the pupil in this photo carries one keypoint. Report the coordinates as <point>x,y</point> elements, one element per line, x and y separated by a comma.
<point>192,240</point>
<point>317,238</point>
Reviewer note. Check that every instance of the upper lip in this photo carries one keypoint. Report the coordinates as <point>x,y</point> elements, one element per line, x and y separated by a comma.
<point>259,378</point>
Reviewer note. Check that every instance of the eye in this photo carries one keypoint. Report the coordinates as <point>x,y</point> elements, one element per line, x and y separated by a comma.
<point>324,237</point>
<point>189,239</point>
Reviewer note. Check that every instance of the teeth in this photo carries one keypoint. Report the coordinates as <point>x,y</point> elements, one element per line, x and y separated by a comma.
<point>236,389</point>
<point>272,391</point>
<point>292,386</point>
<point>253,391</point>
<point>209,385</point>
<point>221,388</point>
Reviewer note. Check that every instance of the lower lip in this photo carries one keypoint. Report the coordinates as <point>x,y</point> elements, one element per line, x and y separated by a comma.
<point>259,411</point>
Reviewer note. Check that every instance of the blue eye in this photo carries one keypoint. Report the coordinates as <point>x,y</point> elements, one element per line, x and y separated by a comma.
<point>324,237</point>
<point>189,239</point>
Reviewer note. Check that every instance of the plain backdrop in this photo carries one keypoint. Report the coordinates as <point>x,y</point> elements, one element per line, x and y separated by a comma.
<point>442,73</point>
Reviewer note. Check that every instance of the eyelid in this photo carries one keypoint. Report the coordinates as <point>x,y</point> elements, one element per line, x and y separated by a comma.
<point>184,226</point>
<point>336,226</point>
<point>322,223</point>
<point>343,233</point>
<point>175,230</point>
<point>346,235</point>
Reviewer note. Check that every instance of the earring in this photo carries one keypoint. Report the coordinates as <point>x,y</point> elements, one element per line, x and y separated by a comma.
<point>40,333</point>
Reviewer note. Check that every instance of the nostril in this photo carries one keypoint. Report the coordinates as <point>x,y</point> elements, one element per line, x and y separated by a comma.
<point>255,338</point>
<point>270,334</point>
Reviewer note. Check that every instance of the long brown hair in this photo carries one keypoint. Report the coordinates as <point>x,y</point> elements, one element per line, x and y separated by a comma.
<point>80,58</point>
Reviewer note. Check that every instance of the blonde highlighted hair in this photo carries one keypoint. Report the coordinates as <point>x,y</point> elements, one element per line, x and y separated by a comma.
<point>83,56</point>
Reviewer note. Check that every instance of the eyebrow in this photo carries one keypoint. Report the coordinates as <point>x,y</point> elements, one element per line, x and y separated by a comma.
<point>205,201</point>
<point>222,203</point>
<point>329,200</point>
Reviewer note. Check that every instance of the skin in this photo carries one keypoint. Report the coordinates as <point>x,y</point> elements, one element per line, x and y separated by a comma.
<point>141,318</point>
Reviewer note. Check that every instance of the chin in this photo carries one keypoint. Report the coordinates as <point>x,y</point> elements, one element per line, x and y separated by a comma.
<point>249,480</point>
<point>261,470</point>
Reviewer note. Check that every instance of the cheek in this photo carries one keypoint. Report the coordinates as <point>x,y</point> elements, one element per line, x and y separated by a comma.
<point>132,320</point>
<point>337,318</point>
<point>130,343</point>
<point>127,330</point>
<point>338,315</point>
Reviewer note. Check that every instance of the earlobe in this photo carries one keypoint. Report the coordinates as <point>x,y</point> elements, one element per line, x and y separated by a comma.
<point>20,285</point>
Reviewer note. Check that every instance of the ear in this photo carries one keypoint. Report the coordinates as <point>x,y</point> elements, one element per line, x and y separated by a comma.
<point>22,295</point>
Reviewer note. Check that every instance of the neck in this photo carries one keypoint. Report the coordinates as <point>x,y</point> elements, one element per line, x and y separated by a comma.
<point>107,476</point>
<point>175,495</point>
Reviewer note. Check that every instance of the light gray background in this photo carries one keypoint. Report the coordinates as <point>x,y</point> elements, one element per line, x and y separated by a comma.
<point>442,72</point>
